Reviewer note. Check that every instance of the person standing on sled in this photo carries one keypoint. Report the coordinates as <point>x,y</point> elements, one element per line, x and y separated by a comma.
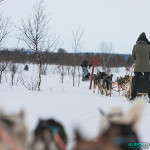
<point>141,56</point>
<point>85,74</point>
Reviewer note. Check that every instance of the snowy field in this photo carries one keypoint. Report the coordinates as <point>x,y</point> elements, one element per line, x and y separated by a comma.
<point>74,107</point>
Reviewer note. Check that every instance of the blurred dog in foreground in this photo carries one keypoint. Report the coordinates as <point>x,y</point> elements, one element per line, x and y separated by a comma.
<point>49,135</point>
<point>13,132</point>
<point>117,130</point>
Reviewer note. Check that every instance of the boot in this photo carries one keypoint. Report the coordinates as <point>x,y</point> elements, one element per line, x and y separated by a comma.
<point>132,98</point>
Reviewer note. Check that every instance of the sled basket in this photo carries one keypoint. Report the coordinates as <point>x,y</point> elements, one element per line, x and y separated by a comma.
<point>142,87</point>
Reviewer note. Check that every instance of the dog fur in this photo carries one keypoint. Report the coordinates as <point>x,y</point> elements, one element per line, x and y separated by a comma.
<point>43,138</point>
<point>116,115</point>
<point>123,83</point>
<point>98,81</point>
<point>107,84</point>
<point>16,129</point>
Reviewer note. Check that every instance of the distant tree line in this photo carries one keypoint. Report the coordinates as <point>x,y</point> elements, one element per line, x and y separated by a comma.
<point>61,57</point>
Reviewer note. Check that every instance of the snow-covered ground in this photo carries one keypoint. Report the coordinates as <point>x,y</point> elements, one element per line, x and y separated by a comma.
<point>74,107</point>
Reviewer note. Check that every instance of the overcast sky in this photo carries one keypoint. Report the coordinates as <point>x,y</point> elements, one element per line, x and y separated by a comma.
<point>117,21</point>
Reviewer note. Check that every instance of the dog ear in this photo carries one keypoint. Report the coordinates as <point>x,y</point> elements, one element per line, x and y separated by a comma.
<point>134,114</point>
<point>21,114</point>
<point>78,137</point>
<point>111,75</point>
<point>8,121</point>
<point>40,119</point>
<point>101,112</point>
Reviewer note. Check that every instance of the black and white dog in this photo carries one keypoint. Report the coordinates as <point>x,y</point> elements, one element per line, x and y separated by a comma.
<point>49,135</point>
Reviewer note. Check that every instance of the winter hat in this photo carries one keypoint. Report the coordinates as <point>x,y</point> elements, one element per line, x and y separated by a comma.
<point>142,37</point>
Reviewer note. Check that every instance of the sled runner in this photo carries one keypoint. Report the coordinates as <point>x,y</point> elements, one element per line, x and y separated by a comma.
<point>142,89</point>
<point>85,79</point>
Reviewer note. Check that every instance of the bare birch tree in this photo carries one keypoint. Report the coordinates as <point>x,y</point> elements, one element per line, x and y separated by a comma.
<point>32,84</point>
<point>76,45</point>
<point>61,54</point>
<point>105,50</point>
<point>34,32</point>
<point>13,69</point>
<point>4,28</point>
<point>3,66</point>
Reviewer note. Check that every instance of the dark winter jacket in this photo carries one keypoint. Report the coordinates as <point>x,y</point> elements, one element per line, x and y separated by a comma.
<point>84,63</point>
<point>141,56</point>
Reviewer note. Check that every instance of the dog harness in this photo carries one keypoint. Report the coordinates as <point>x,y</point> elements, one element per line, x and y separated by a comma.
<point>57,137</point>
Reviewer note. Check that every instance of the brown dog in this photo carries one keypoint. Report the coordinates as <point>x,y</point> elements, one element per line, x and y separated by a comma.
<point>98,81</point>
<point>107,84</point>
<point>117,130</point>
<point>123,82</point>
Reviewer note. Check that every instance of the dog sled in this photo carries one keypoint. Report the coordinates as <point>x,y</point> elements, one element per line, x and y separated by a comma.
<point>86,77</point>
<point>142,88</point>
